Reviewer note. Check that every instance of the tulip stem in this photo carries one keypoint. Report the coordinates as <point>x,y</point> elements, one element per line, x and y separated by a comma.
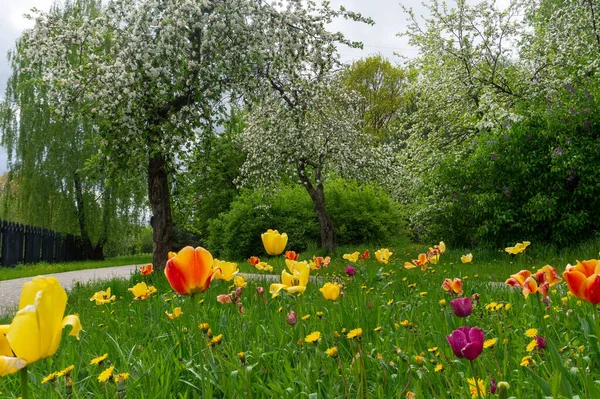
<point>24,393</point>
<point>475,379</point>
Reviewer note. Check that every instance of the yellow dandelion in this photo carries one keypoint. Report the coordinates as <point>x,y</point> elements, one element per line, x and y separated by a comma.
<point>473,387</point>
<point>527,361</point>
<point>204,327</point>
<point>66,371</point>
<point>405,323</point>
<point>320,315</point>
<point>546,316</point>
<point>435,348</point>
<point>356,333</point>
<point>50,377</point>
<point>306,317</point>
<point>377,329</point>
<point>507,306</point>
<point>443,302</point>
<point>489,343</point>
<point>106,374</point>
<point>410,395</point>
<point>99,359</point>
<point>419,359</point>
<point>438,368</point>
<point>216,340</point>
<point>390,301</point>
<point>312,337</point>
<point>413,285</point>
<point>332,352</point>
<point>531,333</point>
<point>423,293</point>
<point>120,377</point>
<point>531,346</point>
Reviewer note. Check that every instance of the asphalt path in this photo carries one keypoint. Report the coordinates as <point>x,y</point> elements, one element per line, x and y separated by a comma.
<point>10,290</point>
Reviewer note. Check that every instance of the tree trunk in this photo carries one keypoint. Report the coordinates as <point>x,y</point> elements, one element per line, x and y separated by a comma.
<point>160,202</point>
<point>328,238</point>
<point>317,194</point>
<point>89,252</point>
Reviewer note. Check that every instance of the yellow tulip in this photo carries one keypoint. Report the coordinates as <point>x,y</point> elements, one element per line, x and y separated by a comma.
<point>292,283</point>
<point>36,329</point>
<point>353,257</point>
<point>518,248</point>
<point>224,270</point>
<point>239,282</point>
<point>383,255</point>
<point>103,297</point>
<point>466,258</point>
<point>274,242</point>
<point>331,291</point>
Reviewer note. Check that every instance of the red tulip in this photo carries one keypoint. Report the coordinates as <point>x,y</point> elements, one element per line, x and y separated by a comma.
<point>291,255</point>
<point>190,271</point>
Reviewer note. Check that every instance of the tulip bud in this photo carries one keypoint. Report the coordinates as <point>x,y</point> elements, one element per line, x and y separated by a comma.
<point>223,298</point>
<point>462,307</point>
<point>238,291</point>
<point>242,357</point>
<point>260,291</point>
<point>541,342</point>
<point>503,388</point>
<point>493,386</point>
<point>350,271</point>
<point>291,318</point>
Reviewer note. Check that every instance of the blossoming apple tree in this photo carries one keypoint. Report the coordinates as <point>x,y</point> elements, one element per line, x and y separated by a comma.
<point>157,74</point>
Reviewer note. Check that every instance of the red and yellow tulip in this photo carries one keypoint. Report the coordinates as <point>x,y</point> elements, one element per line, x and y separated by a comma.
<point>583,280</point>
<point>190,271</point>
<point>421,262</point>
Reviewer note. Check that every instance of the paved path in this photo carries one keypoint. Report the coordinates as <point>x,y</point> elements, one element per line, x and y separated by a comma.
<point>10,290</point>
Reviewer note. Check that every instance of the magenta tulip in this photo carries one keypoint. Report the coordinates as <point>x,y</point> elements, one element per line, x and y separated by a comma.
<point>350,271</point>
<point>541,342</point>
<point>462,307</point>
<point>466,342</point>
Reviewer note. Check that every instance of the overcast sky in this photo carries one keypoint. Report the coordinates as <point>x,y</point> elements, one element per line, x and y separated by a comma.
<point>378,39</point>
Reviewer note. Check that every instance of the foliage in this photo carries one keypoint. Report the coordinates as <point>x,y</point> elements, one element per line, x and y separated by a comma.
<point>379,86</point>
<point>360,213</point>
<point>534,181</point>
<point>206,185</point>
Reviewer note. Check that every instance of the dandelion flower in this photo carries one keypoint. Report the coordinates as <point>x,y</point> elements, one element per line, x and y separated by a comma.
<point>106,374</point>
<point>527,361</point>
<point>99,359</point>
<point>332,352</point>
<point>531,346</point>
<point>473,387</point>
<point>356,333</point>
<point>66,371</point>
<point>312,337</point>
<point>50,377</point>
<point>531,333</point>
<point>489,343</point>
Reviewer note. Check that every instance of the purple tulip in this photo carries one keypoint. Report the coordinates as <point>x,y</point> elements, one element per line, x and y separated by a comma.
<point>462,307</point>
<point>350,271</point>
<point>493,386</point>
<point>466,342</point>
<point>541,342</point>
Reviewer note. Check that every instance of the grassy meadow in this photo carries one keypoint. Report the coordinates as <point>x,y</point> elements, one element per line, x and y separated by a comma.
<point>214,350</point>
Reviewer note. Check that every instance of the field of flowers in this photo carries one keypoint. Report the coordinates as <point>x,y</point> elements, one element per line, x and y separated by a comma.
<point>366,324</point>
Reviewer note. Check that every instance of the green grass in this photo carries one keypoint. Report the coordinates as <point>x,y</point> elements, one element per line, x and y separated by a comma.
<point>172,358</point>
<point>9,273</point>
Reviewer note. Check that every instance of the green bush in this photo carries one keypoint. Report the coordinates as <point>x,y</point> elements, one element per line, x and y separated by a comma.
<point>536,181</point>
<point>360,214</point>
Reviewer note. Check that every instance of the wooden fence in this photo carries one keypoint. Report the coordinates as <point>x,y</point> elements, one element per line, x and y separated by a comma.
<point>26,244</point>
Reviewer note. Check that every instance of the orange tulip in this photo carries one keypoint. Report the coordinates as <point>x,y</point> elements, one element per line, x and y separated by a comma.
<point>453,285</point>
<point>583,280</point>
<point>190,271</point>
<point>146,269</point>
<point>541,281</point>
<point>291,255</point>
<point>420,262</point>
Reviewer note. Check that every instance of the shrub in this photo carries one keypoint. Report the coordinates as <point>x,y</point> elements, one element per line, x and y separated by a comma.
<point>360,214</point>
<point>535,181</point>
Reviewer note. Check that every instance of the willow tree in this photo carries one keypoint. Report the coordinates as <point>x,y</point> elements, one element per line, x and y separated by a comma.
<point>50,137</point>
